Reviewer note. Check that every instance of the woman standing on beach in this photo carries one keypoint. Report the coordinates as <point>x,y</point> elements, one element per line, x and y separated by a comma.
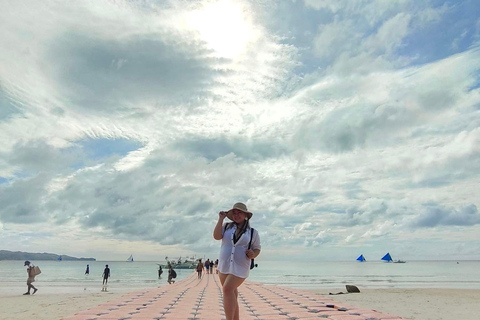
<point>235,256</point>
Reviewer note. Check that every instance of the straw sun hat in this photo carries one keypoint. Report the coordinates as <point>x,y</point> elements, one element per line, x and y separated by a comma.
<point>239,206</point>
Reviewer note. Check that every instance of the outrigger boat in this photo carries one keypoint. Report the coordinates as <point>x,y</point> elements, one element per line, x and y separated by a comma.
<point>388,258</point>
<point>188,263</point>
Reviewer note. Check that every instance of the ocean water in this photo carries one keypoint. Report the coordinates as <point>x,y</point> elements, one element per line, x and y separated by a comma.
<point>69,277</point>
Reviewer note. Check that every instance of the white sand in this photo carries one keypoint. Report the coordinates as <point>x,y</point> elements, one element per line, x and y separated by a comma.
<point>418,304</point>
<point>50,306</point>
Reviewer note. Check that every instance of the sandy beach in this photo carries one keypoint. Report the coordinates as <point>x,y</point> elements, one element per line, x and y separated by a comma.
<point>417,304</point>
<point>50,306</point>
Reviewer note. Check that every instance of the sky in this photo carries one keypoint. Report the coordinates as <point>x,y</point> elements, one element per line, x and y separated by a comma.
<point>346,127</point>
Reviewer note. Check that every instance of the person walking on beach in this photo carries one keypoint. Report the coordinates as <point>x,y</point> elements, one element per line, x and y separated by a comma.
<point>106,275</point>
<point>216,266</point>
<point>199,268</point>
<point>235,255</point>
<point>171,274</point>
<point>31,277</point>
<point>88,270</point>
<point>207,265</point>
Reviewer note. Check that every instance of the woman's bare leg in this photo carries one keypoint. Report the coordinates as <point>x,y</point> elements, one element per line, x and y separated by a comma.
<point>236,316</point>
<point>230,283</point>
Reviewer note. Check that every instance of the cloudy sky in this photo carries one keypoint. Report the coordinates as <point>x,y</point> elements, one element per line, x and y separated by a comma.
<point>346,127</point>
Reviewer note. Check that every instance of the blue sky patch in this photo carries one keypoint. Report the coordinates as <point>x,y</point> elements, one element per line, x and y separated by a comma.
<point>435,41</point>
<point>96,149</point>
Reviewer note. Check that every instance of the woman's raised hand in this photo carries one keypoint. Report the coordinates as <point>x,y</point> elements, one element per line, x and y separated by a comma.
<point>222,215</point>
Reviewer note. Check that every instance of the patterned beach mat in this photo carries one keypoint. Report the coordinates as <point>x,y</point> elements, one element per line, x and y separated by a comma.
<point>192,299</point>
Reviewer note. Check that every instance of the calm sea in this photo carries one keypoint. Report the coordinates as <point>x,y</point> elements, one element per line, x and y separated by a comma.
<point>69,277</point>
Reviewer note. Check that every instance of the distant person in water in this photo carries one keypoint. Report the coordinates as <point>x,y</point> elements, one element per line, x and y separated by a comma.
<point>160,271</point>
<point>88,270</point>
<point>31,277</point>
<point>106,275</point>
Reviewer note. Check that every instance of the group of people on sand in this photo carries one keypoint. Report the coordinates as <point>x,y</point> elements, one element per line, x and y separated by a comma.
<point>31,271</point>
<point>106,274</point>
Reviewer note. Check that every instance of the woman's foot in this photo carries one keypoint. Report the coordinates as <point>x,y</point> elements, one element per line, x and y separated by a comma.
<point>26,293</point>
<point>35,290</point>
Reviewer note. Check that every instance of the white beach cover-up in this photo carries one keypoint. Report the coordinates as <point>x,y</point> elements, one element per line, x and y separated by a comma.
<point>233,259</point>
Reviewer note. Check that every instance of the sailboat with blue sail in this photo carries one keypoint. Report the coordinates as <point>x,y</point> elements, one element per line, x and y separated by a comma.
<point>387,257</point>
<point>130,259</point>
<point>59,258</point>
<point>361,258</point>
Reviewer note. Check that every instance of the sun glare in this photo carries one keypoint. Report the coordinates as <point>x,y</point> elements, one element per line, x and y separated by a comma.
<point>224,26</point>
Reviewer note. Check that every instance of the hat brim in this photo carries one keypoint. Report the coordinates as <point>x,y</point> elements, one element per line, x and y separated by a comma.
<point>248,214</point>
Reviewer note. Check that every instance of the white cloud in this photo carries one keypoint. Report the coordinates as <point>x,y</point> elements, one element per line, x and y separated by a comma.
<point>140,125</point>
<point>389,35</point>
<point>378,230</point>
<point>333,6</point>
